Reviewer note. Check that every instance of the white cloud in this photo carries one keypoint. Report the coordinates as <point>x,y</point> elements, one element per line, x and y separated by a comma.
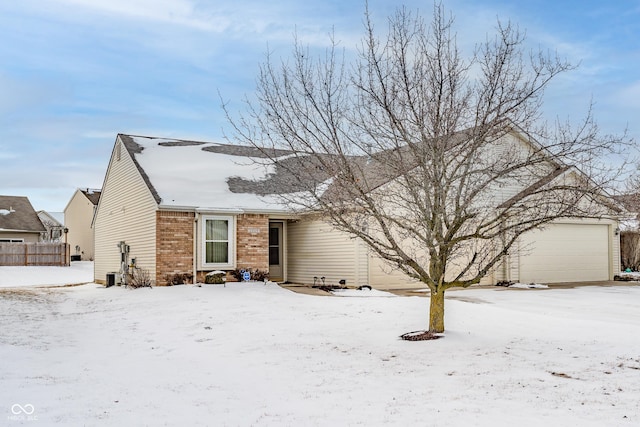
<point>176,12</point>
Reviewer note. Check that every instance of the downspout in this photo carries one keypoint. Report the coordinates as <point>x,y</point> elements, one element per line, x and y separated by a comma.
<point>506,258</point>
<point>613,239</point>
<point>195,248</point>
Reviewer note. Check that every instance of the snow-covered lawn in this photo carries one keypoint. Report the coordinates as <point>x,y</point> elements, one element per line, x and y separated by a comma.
<point>254,354</point>
<point>77,272</point>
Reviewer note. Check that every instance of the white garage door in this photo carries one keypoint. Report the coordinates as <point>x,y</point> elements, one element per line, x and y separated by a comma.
<point>565,253</point>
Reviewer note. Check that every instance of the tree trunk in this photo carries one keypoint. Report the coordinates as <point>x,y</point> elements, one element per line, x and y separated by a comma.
<point>436,311</point>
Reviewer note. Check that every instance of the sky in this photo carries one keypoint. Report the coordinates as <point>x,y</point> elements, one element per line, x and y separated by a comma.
<point>75,73</point>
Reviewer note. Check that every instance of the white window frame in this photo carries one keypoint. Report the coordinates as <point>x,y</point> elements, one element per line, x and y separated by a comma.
<point>231,248</point>
<point>11,240</point>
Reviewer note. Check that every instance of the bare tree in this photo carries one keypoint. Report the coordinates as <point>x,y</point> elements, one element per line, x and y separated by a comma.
<point>630,234</point>
<point>53,231</point>
<point>408,148</point>
<point>630,250</point>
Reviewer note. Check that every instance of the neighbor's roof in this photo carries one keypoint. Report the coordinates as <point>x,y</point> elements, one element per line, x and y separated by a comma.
<point>55,218</point>
<point>208,175</point>
<point>92,194</point>
<point>17,214</point>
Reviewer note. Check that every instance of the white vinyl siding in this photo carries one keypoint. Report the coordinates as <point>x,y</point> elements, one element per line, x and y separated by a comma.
<point>514,146</point>
<point>509,268</point>
<point>616,267</point>
<point>315,249</point>
<point>126,212</point>
<point>561,252</point>
<point>382,276</point>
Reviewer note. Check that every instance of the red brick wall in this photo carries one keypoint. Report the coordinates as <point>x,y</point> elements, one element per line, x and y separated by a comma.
<point>174,244</point>
<point>252,241</point>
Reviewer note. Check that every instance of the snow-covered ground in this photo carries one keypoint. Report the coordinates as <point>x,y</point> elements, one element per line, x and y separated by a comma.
<point>255,354</point>
<point>77,272</point>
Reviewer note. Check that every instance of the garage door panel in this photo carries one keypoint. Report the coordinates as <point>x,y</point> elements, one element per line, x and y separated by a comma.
<point>565,253</point>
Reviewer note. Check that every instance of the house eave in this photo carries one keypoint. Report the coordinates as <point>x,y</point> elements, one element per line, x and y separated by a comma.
<point>176,208</point>
<point>9,230</point>
<point>280,213</point>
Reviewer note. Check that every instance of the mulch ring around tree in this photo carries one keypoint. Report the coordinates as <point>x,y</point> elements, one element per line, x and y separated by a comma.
<point>420,336</point>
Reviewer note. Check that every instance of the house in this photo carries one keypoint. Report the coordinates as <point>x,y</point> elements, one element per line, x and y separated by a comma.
<point>19,221</point>
<point>78,219</point>
<point>54,224</point>
<point>174,206</point>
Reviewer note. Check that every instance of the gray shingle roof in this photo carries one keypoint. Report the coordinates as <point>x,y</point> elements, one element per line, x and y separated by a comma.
<point>92,195</point>
<point>16,213</point>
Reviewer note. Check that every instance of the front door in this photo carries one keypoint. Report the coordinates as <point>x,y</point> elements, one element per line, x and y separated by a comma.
<point>275,252</point>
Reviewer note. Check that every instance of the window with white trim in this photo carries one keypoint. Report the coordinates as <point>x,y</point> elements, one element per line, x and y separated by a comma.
<point>218,236</point>
<point>11,240</point>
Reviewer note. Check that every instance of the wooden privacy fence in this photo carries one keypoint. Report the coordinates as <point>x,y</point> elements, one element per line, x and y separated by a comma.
<point>43,253</point>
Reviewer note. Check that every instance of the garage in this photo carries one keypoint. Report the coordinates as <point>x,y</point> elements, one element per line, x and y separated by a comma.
<point>565,253</point>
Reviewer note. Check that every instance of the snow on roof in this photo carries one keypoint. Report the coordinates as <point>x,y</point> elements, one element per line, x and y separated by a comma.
<point>59,216</point>
<point>195,174</point>
<point>52,216</point>
<point>629,225</point>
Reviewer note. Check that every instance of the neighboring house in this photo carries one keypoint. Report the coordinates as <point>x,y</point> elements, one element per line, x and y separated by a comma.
<point>188,207</point>
<point>78,219</point>
<point>19,221</point>
<point>54,224</point>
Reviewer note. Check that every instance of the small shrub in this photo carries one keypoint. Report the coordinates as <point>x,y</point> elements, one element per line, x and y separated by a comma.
<point>505,283</point>
<point>257,275</point>
<point>140,278</point>
<point>178,278</point>
<point>260,275</point>
<point>215,278</point>
<point>237,274</point>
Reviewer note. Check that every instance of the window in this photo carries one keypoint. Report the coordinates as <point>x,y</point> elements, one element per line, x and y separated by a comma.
<point>11,240</point>
<point>218,236</point>
<point>274,245</point>
<point>56,233</point>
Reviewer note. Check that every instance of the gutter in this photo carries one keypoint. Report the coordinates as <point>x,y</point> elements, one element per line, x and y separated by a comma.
<point>218,210</point>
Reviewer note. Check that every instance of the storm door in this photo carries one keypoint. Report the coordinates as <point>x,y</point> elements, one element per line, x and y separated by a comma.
<point>276,270</point>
